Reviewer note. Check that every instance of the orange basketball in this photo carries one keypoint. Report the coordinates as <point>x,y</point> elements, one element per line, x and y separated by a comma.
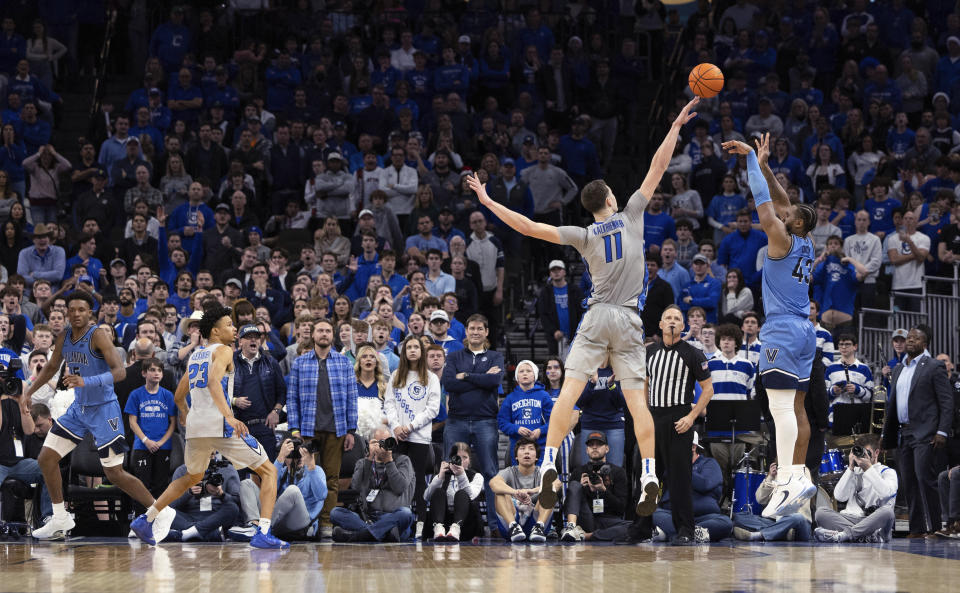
<point>706,80</point>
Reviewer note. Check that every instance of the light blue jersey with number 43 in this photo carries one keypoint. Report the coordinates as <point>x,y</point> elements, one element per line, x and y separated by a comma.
<point>204,419</point>
<point>786,281</point>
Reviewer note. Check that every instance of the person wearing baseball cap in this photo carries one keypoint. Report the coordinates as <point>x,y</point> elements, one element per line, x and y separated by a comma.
<point>558,307</point>
<point>526,410</point>
<point>331,191</point>
<point>439,325</point>
<point>259,380</point>
<point>596,496</point>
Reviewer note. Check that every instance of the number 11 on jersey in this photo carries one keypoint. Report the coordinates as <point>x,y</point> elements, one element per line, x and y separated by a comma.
<point>608,243</point>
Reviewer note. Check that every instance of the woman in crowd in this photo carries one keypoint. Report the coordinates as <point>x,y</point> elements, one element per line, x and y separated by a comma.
<point>328,239</point>
<point>372,385</point>
<point>737,299</point>
<point>453,494</point>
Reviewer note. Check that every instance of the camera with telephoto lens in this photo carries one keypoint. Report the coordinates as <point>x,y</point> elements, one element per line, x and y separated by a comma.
<point>388,444</point>
<point>859,452</point>
<point>597,472</point>
<point>212,476</point>
<point>297,443</point>
<point>10,384</point>
<point>455,458</point>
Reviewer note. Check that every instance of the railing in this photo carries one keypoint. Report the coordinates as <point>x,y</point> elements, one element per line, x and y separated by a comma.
<point>939,309</point>
<point>100,65</point>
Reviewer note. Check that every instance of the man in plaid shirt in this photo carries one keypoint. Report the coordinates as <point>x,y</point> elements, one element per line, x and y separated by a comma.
<point>322,405</point>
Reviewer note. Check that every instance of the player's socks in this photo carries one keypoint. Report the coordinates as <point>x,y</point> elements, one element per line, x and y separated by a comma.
<point>649,467</point>
<point>264,525</point>
<point>549,459</point>
<point>59,510</point>
<point>190,533</point>
<point>798,471</point>
<point>785,419</point>
<point>152,513</point>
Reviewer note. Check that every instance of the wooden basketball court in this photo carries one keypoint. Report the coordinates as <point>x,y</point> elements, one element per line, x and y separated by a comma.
<point>116,565</point>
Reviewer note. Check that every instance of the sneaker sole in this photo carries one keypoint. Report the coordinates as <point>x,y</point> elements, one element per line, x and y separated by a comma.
<point>548,498</point>
<point>648,503</point>
<point>56,536</point>
<point>793,506</point>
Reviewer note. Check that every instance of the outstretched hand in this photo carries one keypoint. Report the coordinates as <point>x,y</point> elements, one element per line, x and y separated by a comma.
<point>474,182</point>
<point>686,114</point>
<point>763,148</point>
<point>737,147</point>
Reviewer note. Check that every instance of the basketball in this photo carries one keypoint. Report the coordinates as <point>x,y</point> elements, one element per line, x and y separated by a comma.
<point>706,80</point>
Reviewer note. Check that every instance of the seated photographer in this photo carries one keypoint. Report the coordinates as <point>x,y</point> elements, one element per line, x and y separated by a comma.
<point>707,483</point>
<point>385,483</point>
<point>16,423</point>
<point>516,490</point>
<point>596,497</point>
<point>301,490</point>
<point>870,489</point>
<point>755,528</point>
<point>453,494</point>
<point>949,486</point>
<point>207,507</point>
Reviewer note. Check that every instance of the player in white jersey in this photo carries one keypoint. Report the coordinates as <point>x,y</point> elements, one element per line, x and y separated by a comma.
<point>614,252</point>
<point>211,427</point>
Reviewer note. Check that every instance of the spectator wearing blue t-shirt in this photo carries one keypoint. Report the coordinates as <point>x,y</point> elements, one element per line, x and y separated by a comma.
<point>559,307</point>
<point>185,99</point>
<point>881,208</point>
<point>672,272</point>
<point>171,41</point>
<point>153,416</point>
<point>739,249</point>
<point>282,80</point>
<point>657,224</point>
<point>836,279</point>
<point>425,240</point>
<point>900,138</point>
<point>602,405</point>
<point>723,208</point>
<point>702,291</point>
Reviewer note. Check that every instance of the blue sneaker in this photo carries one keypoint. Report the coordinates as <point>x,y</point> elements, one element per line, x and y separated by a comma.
<point>267,541</point>
<point>143,529</point>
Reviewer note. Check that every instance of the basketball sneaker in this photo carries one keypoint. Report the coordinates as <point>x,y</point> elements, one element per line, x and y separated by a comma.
<point>439,533</point>
<point>827,535</point>
<point>161,525</point>
<point>548,496</point>
<point>453,534</point>
<point>649,494</point>
<point>516,533</point>
<point>268,541</point>
<point>789,497</point>
<point>143,529</point>
<point>537,535</point>
<point>55,528</point>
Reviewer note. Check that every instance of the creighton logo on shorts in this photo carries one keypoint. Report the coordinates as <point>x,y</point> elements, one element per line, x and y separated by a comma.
<point>114,423</point>
<point>772,354</point>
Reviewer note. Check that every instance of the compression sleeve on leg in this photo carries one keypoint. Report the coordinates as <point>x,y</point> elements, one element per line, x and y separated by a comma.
<point>785,420</point>
<point>758,183</point>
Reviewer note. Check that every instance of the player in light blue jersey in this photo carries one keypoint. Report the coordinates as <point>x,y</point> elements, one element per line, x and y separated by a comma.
<point>788,339</point>
<point>211,426</point>
<point>613,250</point>
<point>90,367</point>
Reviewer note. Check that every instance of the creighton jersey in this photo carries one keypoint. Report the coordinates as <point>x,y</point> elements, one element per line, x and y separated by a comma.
<point>786,281</point>
<point>80,358</point>
<point>613,251</point>
<point>204,419</point>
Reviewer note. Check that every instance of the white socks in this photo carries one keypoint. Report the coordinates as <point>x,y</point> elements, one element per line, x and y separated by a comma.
<point>649,465</point>
<point>264,526</point>
<point>549,457</point>
<point>152,513</point>
<point>59,510</point>
<point>785,419</point>
<point>190,533</point>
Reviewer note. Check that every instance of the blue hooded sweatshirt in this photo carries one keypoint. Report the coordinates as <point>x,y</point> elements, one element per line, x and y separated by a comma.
<point>528,409</point>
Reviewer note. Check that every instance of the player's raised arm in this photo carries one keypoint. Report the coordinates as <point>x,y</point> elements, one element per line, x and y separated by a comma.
<point>781,201</point>
<point>777,236</point>
<point>661,159</point>
<point>514,220</point>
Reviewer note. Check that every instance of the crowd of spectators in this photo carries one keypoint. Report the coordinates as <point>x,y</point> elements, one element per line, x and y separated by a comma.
<point>319,175</point>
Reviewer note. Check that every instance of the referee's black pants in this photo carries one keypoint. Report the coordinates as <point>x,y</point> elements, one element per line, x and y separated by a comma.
<point>674,455</point>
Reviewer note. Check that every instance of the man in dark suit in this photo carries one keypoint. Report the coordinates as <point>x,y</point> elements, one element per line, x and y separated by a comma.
<point>556,298</point>
<point>659,296</point>
<point>919,416</point>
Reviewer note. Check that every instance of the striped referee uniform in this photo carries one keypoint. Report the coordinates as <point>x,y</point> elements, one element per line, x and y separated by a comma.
<point>672,372</point>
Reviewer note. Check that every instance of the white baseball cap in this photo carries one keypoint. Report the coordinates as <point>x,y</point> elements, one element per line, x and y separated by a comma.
<point>557,264</point>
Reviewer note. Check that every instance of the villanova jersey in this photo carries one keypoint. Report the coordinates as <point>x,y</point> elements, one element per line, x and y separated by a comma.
<point>80,358</point>
<point>204,419</point>
<point>613,252</point>
<point>786,281</point>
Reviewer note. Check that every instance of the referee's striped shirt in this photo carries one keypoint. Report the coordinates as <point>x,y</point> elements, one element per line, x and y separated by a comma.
<point>672,372</point>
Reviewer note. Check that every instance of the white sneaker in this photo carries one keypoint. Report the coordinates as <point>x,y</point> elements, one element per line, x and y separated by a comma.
<point>132,535</point>
<point>326,533</point>
<point>658,535</point>
<point>439,534</point>
<point>701,535</point>
<point>789,497</point>
<point>55,528</point>
<point>161,525</point>
<point>418,534</point>
<point>649,494</point>
<point>826,535</point>
<point>571,533</point>
<point>453,534</point>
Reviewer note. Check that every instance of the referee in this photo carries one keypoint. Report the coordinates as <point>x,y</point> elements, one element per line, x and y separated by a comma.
<point>672,368</point>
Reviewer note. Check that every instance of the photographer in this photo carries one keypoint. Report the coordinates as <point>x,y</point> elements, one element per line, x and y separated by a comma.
<point>15,424</point>
<point>517,489</point>
<point>756,528</point>
<point>453,493</point>
<point>212,504</point>
<point>385,484</point>
<point>301,490</point>
<point>870,489</point>
<point>596,497</point>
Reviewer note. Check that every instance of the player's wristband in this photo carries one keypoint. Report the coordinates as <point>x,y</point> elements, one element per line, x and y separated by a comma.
<point>758,184</point>
<point>98,380</point>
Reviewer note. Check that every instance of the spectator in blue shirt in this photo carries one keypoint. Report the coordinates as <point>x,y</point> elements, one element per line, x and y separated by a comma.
<point>603,405</point>
<point>525,412</point>
<point>282,79</point>
<point>900,138</point>
<point>425,240</point>
<point>439,326</point>
<point>739,249</point>
<point>579,154</point>
<point>702,291</point>
<point>223,93</point>
<point>438,281</point>
<point>881,208</point>
<point>672,272</point>
<point>723,208</point>
<point>451,76</point>
<point>535,33</point>
<point>948,68</point>
<point>823,135</point>
<point>657,224</point>
<point>32,130</point>
<point>185,100</point>
<point>152,414</point>
<point>836,279</point>
<point>13,47</point>
<point>743,101</point>
<point>171,41</point>
<point>384,74</point>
